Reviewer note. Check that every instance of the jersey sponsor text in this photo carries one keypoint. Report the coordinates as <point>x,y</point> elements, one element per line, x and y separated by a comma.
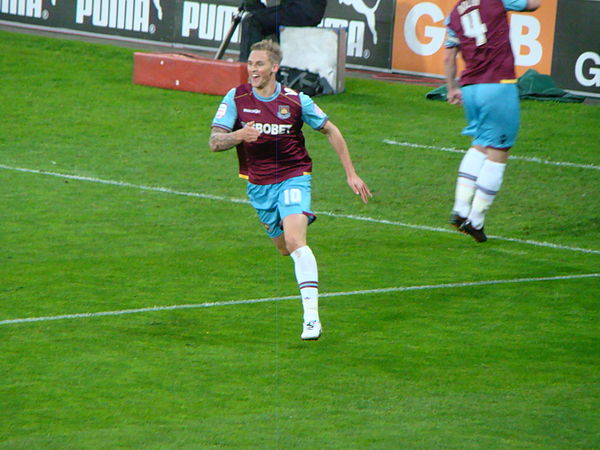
<point>273,129</point>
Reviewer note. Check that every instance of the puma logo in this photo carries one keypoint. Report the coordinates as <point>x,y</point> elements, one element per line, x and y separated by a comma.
<point>369,12</point>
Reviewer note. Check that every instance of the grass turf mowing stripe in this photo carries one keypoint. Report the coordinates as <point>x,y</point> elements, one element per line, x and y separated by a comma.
<point>244,201</point>
<point>291,297</point>
<point>515,157</point>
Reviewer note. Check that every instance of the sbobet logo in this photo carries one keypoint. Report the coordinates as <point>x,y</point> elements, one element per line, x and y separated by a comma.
<point>132,15</point>
<point>26,8</point>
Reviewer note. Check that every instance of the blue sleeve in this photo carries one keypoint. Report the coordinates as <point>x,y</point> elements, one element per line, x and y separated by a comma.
<point>311,113</point>
<point>227,113</point>
<point>451,37</point>
<point>515,5</point>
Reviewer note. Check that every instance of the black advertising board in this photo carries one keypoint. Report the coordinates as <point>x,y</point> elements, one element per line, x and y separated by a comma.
<point>134,19</point>
<point>205,23</point>
<point>370,26</point>
<point>200,24</point>
<point>576,55</point>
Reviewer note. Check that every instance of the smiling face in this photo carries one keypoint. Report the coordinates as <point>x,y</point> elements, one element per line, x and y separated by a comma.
<point>261,72</point>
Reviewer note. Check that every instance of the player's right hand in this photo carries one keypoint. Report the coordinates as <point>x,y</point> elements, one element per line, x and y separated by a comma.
<point>249,133</point>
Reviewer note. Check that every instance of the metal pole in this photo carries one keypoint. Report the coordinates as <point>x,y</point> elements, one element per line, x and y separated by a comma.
<point>235,21</point>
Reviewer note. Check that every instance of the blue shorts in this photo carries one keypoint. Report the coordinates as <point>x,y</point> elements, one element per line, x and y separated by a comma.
<point>274,202</point>
<point>493,114</point>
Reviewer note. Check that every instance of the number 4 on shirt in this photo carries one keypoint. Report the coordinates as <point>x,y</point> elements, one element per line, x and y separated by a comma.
<point>473,27</point>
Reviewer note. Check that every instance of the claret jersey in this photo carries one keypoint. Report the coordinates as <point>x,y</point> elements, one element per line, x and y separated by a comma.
<point>279,153</point>
<point>480,29</point>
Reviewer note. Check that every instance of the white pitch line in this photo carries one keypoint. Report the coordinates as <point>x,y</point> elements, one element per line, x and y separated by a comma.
<point>516,157</point>
<point>324,213</point>
<point>125,184</point>
<point>447,230</point>
<point>291,297</point>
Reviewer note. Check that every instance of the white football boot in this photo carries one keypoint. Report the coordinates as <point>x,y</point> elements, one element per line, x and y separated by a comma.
<point>311,331</point>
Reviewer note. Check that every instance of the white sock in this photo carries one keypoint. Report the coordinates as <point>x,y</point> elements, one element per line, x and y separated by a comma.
<point>488,184</point>
<point>307,275</point>
<point>468,171</point>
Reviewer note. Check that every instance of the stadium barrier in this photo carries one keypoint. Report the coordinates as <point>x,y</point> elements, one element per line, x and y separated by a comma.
<point>187,72</point>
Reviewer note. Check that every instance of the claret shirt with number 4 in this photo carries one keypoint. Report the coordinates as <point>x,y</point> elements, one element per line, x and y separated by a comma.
<point>480,29</point>
<point>279,153</point>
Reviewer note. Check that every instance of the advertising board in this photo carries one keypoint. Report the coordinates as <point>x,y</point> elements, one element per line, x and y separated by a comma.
<point>576,64</point>
<point>199,24</point>
<point>561,38</point>
<point>136,19</point>
<point>419,36</point>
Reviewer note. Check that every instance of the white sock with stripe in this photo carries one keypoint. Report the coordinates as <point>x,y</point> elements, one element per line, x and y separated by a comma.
<point>488,184</point>
<point>305,266</point>
<point>468,171</point>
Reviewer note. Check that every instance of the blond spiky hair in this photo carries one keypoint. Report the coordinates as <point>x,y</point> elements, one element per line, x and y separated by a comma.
<point>272,48</point>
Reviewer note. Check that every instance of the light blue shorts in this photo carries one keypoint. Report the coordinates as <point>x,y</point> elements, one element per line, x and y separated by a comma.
<point>493,114</point>
<point>274,202</point>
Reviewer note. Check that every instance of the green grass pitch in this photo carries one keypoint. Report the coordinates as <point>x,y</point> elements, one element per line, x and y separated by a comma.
<point>113,203</point>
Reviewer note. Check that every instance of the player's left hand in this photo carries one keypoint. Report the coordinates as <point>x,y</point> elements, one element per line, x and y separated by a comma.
<point>359,187</point>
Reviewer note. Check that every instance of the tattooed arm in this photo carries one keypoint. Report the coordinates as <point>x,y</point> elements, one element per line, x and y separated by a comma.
<point>221,139</point>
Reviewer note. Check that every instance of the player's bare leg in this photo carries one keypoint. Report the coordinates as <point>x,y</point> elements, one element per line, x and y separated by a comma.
<point>279,242</point>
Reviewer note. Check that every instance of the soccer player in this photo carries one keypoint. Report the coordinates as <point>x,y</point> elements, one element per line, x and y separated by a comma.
<point>263,21</point>
<point>264,119</point>
<point>479,30</point>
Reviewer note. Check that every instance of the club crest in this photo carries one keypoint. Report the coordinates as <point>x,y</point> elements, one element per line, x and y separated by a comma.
<point>284,112</point>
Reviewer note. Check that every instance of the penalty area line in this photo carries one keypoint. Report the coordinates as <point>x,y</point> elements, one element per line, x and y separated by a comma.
<point>292,297</point>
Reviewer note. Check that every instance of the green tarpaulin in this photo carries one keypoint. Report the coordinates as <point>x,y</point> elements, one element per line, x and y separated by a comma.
<point>532,86</point>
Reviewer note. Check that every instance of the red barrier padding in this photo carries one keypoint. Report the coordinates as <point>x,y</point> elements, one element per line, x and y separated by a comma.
<point>187,72</point>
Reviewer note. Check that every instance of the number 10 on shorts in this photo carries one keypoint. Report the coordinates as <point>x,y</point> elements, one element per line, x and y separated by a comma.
<point>292,196</point>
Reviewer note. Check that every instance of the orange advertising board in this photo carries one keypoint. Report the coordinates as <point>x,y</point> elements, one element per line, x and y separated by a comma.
<point>419,36</point>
